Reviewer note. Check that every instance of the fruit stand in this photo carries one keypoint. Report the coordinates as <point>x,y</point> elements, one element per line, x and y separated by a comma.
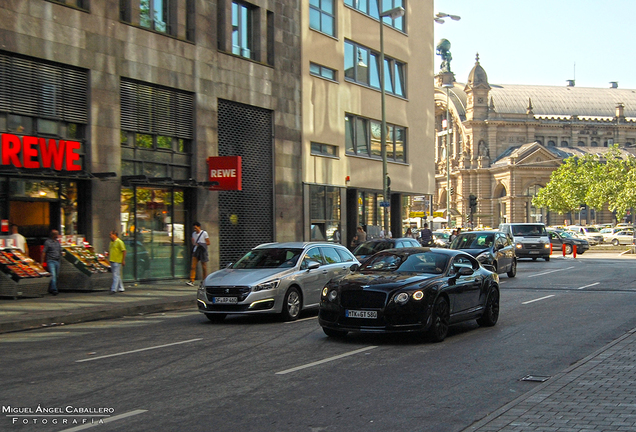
<point>20,276</point>
<point>81,268</point>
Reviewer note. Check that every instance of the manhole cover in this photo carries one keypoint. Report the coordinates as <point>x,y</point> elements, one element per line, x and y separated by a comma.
<point>536,378</point>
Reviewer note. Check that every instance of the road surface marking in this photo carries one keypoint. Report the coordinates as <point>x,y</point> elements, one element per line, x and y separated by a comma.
<point>137,350</point>
<point>590,285</point>
<point>300,320</point>
<point>551,271</point>
<point>325,360</point>
<point>105,420</point>
<point>536,300</point>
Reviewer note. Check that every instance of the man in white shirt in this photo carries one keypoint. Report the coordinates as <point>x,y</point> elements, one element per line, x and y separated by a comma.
<point>19,239</point>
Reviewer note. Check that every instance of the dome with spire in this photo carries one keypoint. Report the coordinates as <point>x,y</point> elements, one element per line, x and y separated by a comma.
<point>477,76</point>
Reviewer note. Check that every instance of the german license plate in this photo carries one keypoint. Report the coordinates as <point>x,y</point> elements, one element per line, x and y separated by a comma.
<point>224,300</point>
<point>534,252</point>
<point>361,314</point>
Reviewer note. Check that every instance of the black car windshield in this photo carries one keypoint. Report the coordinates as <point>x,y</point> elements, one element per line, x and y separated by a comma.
<point>528,230</point>
<point>269,258</point>
<point>421,262</point>
<point>369,248</point>
<point>473,241</point>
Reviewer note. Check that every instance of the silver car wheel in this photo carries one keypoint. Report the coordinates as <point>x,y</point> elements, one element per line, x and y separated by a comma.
<point>291,307</point>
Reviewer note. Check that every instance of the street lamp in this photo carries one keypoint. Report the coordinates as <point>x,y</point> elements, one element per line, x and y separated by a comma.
<point>394,14</point>
<point>447,84</point>
<point>438,18</point>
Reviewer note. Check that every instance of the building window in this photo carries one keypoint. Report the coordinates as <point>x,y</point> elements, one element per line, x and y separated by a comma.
<point>153,14</point>
<point>324,212</point>
<point>594,144</point>
<point>553,144</point>
<point>581,144</point>
<point>322,71</point>
<point>156,131</point>
<point>362,67</point>
<point>242,30</point>
<point>321,16</point>
<point>79,4</point>
<point>370,8</point>
<point>318,149</point>
<point>363,138</point>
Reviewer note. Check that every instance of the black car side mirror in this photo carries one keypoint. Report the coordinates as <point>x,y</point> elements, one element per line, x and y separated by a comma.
<point>464,271</point>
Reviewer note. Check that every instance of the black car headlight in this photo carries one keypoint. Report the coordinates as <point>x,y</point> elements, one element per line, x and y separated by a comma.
<point>401,298</point>
<point>266,286</point>
<point>329,294</point>
<point>483,257</point>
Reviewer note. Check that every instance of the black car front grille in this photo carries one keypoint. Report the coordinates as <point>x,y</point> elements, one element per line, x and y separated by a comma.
<point>532,245</point>
<point>228,291</point>
<point>360,299</point>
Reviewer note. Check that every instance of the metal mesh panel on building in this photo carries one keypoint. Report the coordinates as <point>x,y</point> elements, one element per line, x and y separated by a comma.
<point>246,217</point>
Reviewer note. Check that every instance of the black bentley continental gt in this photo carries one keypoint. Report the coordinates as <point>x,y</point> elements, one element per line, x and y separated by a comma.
<point>410,290</point>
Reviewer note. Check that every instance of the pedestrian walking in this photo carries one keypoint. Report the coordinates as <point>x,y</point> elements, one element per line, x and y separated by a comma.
<point>360,237</point>
<point>20,241</point>
<point>426,236</point>
<point>52,255</point>
<point>200,243</point>
<point>117,259</point>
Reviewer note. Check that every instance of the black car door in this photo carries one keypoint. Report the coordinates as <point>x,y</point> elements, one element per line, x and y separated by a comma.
<point>466,288</point>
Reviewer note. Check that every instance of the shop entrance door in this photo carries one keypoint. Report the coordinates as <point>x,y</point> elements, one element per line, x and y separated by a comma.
<point>153,223</point>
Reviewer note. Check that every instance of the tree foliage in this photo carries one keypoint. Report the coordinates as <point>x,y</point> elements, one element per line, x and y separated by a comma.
<point>592,180</point>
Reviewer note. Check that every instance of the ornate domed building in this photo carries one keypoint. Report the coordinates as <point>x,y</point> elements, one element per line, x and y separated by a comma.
<point>505,141</point>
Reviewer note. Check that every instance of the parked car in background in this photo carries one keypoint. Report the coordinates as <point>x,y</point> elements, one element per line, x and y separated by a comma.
<point>282,278</point>
<point>623,237</point>
<point>531,239</point>
<point>607,233</point>
<point>569,239</point>
<point>441,238</point>
<point>591,234</point>
<point>369,247</point>
<point>493,249</point>
<point>419,289</point>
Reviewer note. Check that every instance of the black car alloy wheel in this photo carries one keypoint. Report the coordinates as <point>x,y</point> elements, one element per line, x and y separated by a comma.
<point>491,311</point>
<point>568,249</point>
<point>441,318</point>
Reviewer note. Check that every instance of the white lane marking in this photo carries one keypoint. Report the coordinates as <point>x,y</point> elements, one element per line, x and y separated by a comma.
<point>551,271</point>
<point>590,285</point>
<point>137,350</point>
<point>300,320</point>
<point>325,360</point>
<point>105,420</point>
<point>536,300</point>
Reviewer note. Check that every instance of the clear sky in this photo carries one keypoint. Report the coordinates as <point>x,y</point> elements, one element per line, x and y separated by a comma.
<point>542,42</point>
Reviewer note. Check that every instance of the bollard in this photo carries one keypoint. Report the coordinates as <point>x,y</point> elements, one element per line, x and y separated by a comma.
<point>563,247</point>
<point>574,251</point>
<point>550,248</point>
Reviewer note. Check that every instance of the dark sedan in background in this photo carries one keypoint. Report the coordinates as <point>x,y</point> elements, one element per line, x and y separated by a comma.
<point>569,239</point>
<point>369,247</point>
<point>493,249</point>
<point>410,290</point>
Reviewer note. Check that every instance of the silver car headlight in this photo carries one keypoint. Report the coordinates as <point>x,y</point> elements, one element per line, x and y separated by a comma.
<point>266,286</point>
<point>482,257</point>
<point>518,245</point>
<point>401,298</point>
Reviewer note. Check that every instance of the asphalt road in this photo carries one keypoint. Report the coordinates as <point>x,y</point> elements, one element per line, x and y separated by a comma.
<point>177,371</point>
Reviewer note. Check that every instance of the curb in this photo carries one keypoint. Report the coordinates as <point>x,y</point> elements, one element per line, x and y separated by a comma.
<point>71,317</point>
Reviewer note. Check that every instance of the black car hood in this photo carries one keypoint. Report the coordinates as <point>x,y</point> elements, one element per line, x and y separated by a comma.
<point>386,281</point>
<point>474,252</point>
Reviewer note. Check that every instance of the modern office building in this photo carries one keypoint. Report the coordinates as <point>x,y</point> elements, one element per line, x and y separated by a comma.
<point>506,140</point>
<point>343,171</point>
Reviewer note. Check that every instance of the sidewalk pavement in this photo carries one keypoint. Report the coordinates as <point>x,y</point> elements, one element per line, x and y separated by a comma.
<point>70,307</point>
<point>597,393</point>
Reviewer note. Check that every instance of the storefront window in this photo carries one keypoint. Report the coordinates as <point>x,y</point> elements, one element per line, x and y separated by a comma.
<point>325,213</point>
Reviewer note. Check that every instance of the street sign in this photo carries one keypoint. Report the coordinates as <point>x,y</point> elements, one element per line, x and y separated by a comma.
<point>416,214</point>
<point>385,204</point>
<point>438,214</point>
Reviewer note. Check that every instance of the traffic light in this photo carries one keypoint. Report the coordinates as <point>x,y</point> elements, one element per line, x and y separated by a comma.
<point>472,203</point>
<point>451,190</point>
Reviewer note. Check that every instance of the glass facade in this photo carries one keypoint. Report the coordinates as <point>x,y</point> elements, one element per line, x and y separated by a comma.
<point>325,211</point>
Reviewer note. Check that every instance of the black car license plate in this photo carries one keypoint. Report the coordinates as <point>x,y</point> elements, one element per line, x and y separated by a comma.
<point>361,314</point>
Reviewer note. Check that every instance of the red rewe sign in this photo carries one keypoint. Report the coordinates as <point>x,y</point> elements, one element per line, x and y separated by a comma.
<point>34,152</point>
<point>226,171</point>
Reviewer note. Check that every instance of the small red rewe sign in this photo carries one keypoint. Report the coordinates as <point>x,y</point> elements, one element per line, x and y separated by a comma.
<point>226,171</point>
<point>34,152</point>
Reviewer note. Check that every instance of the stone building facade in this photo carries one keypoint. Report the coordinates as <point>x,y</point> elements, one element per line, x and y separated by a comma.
<point>150,90</point>
<point>505,141</point>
